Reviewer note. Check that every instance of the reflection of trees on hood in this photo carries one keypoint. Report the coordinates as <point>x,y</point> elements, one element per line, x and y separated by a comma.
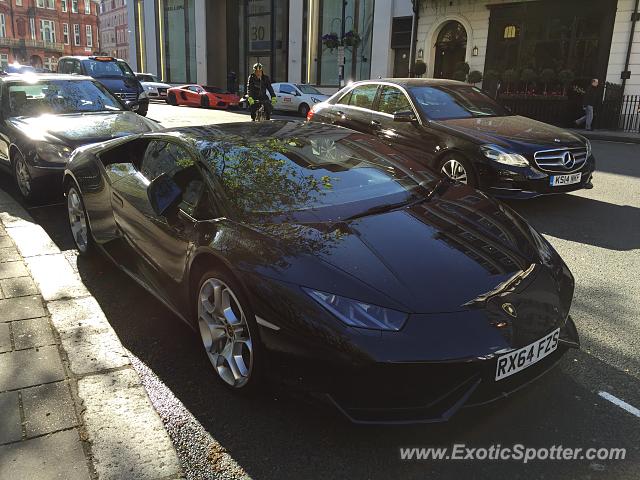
<point>260,178</point>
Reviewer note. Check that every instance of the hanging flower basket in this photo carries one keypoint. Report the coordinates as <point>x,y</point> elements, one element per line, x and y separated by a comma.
<point>351,39</point>
<point>330,40</point>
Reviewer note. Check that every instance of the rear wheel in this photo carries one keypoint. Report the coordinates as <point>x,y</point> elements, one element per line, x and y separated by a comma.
<point>78,220</point>
<point>171,99</point>
<point>204,101</point>
<point>229,332</point>
<point>459,169</point>
<point>303,110</point>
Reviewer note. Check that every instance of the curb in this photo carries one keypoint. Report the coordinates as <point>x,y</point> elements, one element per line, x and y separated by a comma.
<point>609,136</point>
<point>124,435</point>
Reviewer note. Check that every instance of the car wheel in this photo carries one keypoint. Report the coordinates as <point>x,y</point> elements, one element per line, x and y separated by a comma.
<point>78,221</point>
<point>303,110</point>
<point>143,112</point>
<point>459,169</point>
<point>171,99</point>
<point>23,178</point>
<point>229,332</point>
<point>204,101</point>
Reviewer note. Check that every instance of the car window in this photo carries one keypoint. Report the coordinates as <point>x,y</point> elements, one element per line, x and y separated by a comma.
<point>363,96</point>
<point>287,89</point>
<point>26,99</point>
<point>393,100</point>
<point>447,102</point>
<point>175,161</point>
<point>345,99</point>
<point>308,89</point>
<point>194,88</point>
<point>101,68</point>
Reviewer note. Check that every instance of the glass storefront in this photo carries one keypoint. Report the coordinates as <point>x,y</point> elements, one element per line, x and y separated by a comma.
<point>262,27</point>
<point>334,28</point>
<point>176,40</point>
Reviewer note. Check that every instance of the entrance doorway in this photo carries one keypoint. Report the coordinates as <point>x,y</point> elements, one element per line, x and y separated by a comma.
<point>451,49</point>
<point>401,63</point>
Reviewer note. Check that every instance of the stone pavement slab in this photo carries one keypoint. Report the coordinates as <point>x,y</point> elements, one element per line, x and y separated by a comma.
<point>59,455</point>
<point>10,421</point>
<point>21,308</point>
<point>5,241</point>
<point>18,287</point>
<point>26,368</point>
<point>5,338</point>
<point>31,240</point>
<point>9,254</point>
<point>55,278</point>
<point>13,215</point>
<point>48,408</point>
<point>35,332</point>
<point>13,269</point>
<point>128,438</point>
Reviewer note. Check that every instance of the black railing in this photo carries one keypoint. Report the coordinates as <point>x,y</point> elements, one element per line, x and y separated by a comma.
<point>616,112</point>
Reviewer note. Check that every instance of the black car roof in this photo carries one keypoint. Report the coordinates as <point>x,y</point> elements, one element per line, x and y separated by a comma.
<point>43,76</point>
<point>91,57</point>
<point>249,133</point>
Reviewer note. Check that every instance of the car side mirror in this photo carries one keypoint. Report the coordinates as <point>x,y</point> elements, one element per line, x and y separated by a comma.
<point>404,117</point>
<point>298,94</point>
<point>164,194</point>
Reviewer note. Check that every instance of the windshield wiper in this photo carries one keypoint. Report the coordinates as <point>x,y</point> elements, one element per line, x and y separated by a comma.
<point>388,207</point>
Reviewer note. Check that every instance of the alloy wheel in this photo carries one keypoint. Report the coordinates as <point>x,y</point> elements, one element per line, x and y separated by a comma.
<point>77,220</point>
<point>225,332</point>
<point>23,177</point>
<point>453,169</point>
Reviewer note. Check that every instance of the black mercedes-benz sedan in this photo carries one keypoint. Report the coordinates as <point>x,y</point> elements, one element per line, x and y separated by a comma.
<point>321,257</point>
<point>43,118</point>
<point>455,128</point>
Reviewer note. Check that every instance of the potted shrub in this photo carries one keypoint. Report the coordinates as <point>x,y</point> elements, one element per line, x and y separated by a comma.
<point>474,77</point>
<point>528,75</point>
<point>565,76</point>
<point>547,76</point>
<point>509,76</point>
<point>351,39</point>
<point>330,41</point>
<point>420,68</point>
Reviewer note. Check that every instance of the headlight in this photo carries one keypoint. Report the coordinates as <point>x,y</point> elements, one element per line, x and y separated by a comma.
<point>143,95</point>
<point>53,153</point>
<point>315,100</point>
<point>497,154</point>
<point>358,314</point>
<point>588,145</point>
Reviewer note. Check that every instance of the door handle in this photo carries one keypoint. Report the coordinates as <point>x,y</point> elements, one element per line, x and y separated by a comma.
<point>341,114</point>
<point>118,199</point>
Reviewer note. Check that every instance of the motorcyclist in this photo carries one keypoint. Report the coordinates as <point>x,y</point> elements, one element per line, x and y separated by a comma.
<point>257,86</point>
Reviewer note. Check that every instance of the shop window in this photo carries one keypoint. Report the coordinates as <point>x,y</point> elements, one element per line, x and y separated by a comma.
<point>510,31</point>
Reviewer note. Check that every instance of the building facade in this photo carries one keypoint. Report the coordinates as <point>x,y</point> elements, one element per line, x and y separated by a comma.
<point>330,42</point>
<point>113,21</point>
<point>38,32</point>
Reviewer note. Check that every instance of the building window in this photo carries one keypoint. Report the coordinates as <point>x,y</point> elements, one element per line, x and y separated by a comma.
<point>3,26</point>
<point>65,33</point>
<point>89,35</point>
<point>325,18</point>
<point>87,7</point>
<point>177,40</point>
<point>74,6</point>
<point>48,31</point>
<point>76,35</point>
<point>51,4</point>
<point>18,3</point>
<point>64,5</point>
<point>32,26</point>
<point>510,31</point>
<point>4,59</point>
<point>40,3</point>
<point>51,63</point>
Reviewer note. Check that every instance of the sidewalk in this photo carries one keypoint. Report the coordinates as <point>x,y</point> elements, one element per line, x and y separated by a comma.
<point>71,405</point>
<point>609,135</point>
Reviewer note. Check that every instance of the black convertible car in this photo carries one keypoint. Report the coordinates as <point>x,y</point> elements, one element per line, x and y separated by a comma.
<point>43,118</point>
<point>322,257</point>
<point>455,128</point>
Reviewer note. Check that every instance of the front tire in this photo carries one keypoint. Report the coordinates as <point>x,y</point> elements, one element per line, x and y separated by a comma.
<point>23,178</point>
<point>204,101</point>
<point>459,169</point>
<point>229,332</point>
<point>143,111</point>
<point>303,110</point>
<point>171,99</point>
<point>78,220</point>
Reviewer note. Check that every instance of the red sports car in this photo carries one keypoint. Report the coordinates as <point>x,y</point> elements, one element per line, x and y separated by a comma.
<point>202,96</point>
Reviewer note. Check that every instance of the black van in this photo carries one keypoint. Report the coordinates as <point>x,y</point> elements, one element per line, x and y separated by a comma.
<point>113,73</point>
